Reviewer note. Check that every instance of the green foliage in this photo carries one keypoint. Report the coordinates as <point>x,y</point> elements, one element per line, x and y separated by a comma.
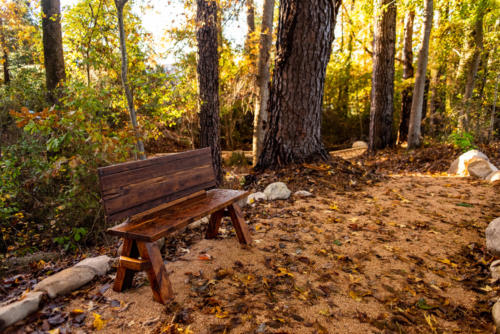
<point>462,140</point>
<point>238,158</point>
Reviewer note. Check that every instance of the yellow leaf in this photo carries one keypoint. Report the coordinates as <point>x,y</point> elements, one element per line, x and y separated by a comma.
<point>54,331</point>
<point>355,296</point>
<point>77,311</point>
<point>98,323</point>
<point>284,272</point>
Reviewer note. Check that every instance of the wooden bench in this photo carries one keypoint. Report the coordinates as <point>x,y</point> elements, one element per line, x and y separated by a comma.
<point>156,197</point>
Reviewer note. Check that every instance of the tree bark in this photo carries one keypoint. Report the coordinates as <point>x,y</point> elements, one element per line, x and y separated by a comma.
<point>469,64</point>
<point>382,93</point>
<point>419,89</point>
<point>128,93</point>
<point>406,94</point>
<point>305,36</point>
<point>250,22</point>
<point>493,112</point>
<point>5,50</point>
<point>260,114</point>
<point>55,72</point>
<point>208,74</point>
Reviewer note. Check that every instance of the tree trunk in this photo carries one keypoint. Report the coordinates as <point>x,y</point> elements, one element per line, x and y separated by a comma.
<point>493,112</point>
<point>5,50</point>
<point>305,36</point>
<point>406,94</point>
<point>469,64</point>
<point>52,48</point>
<point>260,114</point>
<point>128,93</point>
<point>382,93</point>
<point>250,22</point>
<point>419,89</point>
<point>208,74</point>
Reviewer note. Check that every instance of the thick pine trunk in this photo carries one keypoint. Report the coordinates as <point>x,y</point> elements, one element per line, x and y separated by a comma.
<point>52,48</point>
<point>419,89</point>
<point>208,76</point>
<point>406,94</point>
<point>305,36</point>
<point>382,93</point>
<point>250,22</point>
<point>261,115</point>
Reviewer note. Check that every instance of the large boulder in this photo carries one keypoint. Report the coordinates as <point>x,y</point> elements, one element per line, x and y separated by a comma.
<point>360,144</point>
<point>459,165</point>
<point>277,190</point>
<point>13,312</point>
<point>100,264</point>
<point>494,177</point>
<point>493,236</point>
<point>481,168</point>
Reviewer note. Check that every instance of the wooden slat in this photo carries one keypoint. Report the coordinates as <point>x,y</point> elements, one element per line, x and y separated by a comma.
<point>138,193</point>
<point>134,264</point>
<point>179,216</point>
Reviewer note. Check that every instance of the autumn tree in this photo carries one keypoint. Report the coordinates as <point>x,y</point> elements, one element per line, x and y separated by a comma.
<point>305,36</point>
<point>208,77</point>
<point>55,72</point>
<point>406,93</point>
<point>419,88</point>
<point>260,113</point>
<point>382,93</point>
<point>128,93</point>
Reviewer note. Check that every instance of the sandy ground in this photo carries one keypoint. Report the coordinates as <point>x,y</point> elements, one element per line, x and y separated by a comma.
<point>406,254</point>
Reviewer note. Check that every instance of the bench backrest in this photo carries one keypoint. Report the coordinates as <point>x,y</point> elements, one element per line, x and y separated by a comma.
<point>132,188</point>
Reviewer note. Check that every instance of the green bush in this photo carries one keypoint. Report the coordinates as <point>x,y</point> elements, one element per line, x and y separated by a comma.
<point>462,140</point>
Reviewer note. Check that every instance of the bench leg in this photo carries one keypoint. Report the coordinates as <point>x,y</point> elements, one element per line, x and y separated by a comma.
<point>124,276</point>
<point>214,224</point>
<point>157,274</point>
<point>239,224</point>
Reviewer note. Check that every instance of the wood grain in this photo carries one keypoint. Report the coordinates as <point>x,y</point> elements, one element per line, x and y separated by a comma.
<point>157,274</point>
<point>214,223</point>
<point>125,276</point>
<point>239,224</point>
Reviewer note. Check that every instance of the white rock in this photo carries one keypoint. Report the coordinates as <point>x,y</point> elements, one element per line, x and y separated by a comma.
<point>12,313</point>
<point>459,166</point>
<point>493,236</point>
<point>196,224</point>
<point>66,281</point>
<point>256,197</point>
<point>242,202</point>
<point>100,264</point>
<point>360,144</point>
<point>303,193</point>
<point>495,312</point>
<point>494,177</point>
<point>481,168</point>
<point>495,270</point>
<point>277,190</point>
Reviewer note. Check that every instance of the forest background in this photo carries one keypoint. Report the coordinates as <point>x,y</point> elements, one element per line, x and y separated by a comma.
<point>50,151</point>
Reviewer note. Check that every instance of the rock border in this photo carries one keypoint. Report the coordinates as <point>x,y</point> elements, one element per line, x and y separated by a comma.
<point>55,285</point>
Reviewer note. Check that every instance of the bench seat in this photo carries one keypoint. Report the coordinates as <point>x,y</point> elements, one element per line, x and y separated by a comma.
<point>178,216</point>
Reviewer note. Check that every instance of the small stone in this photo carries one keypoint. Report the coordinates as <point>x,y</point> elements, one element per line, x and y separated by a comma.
<point>197,223</point>
<point>282,245</point>
<point>256,197</point>
<point>242,202</point>
<point>66,281</point>
<point>481,168</point>
<point>494,177</point>
<point>277,190</point>
<point>495,312</point>
<point>493,236</point>
<point>360,144</point>
<point>303,193</point>
<point>495,270</point>
<point>459,165</point>
<point>12,313</point>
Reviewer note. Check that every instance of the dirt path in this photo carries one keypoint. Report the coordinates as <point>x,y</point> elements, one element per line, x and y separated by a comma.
<point>403,255</point>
